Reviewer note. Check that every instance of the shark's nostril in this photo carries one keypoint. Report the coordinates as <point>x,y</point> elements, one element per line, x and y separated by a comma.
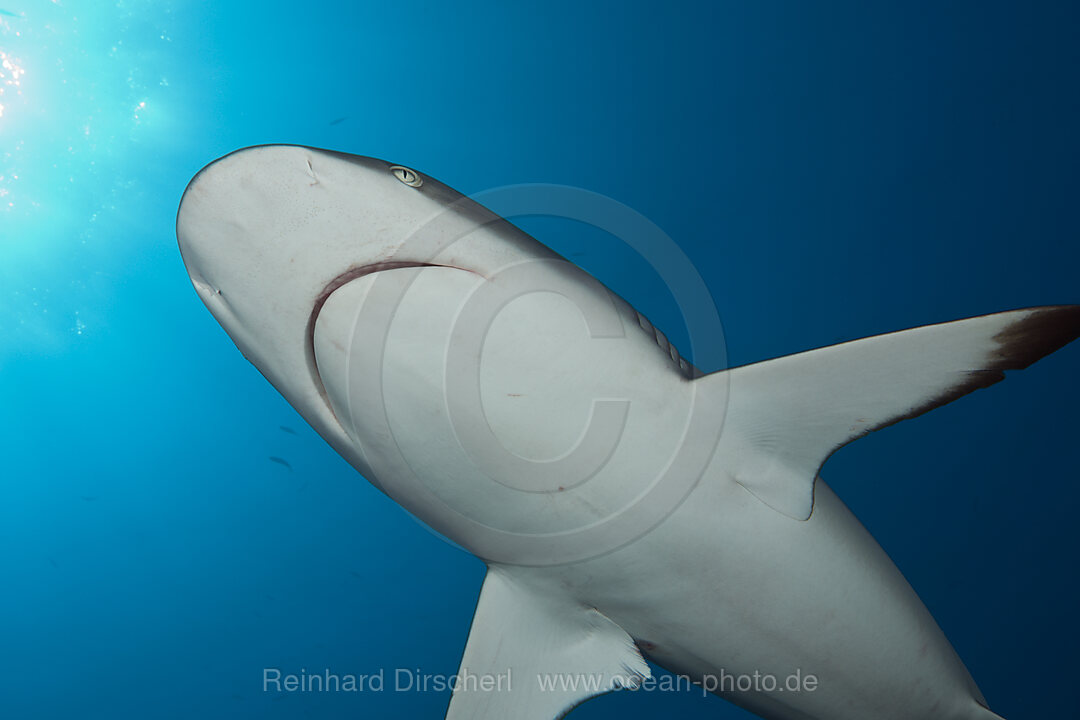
<point>204,287</point>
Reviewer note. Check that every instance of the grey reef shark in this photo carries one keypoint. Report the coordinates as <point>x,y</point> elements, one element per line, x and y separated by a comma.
<point>626,504</point>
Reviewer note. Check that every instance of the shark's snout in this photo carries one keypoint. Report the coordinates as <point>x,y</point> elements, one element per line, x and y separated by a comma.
<point>267,232</point>
<point>204,214</point>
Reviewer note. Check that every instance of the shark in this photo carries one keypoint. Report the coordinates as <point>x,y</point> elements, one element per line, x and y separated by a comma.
<point>628,506</point>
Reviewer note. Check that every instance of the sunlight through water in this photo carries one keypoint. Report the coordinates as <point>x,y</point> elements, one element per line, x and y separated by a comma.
<point>11,72</point>
<point>83,95</point>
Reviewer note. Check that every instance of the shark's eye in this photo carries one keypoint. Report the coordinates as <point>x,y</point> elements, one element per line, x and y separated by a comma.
<point>406,175</point>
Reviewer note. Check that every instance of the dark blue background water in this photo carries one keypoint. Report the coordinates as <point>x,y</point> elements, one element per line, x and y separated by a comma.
<point>834,170</point>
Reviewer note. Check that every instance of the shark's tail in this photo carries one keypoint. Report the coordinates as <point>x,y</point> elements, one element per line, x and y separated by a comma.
<point>791,413</point>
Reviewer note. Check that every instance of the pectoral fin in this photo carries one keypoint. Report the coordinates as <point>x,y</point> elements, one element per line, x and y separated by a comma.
<point>531,656</point>
<point>786,416</point>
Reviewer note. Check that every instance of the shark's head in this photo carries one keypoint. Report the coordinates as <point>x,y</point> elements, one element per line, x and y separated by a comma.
<point>269,230</point>
<point>492,391</point>
<point>268,233</point>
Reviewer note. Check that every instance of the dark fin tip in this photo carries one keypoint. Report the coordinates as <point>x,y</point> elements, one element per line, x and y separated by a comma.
<point>1039,334</point>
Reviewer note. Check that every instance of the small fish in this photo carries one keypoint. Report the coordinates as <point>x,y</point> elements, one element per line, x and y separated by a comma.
<point>281,461</point>
<point>88,498</point>
<point>338,121</point>
<point>8,13</point>
<point>52,561</point>
<point>356,575</point>
<point>287,429</point>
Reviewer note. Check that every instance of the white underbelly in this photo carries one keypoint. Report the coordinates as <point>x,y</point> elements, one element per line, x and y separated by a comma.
<point>789,619</point>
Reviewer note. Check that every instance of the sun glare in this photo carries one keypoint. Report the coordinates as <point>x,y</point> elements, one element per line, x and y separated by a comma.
<point>11,72</point>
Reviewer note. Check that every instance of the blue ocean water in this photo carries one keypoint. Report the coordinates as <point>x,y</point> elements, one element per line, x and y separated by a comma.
<point>833,171</point>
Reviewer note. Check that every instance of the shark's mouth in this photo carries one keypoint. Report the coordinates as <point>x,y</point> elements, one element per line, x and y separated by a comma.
<point>352,274</point>
<point>340,281</point>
